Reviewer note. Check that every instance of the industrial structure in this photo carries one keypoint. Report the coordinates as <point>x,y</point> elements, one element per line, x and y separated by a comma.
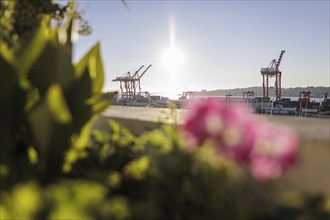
<point>130,85</point>
<point>271,71</point>
<point>131,95</point>
<point>304,96</point>
<point>188,95</point>
<point>248,94</point>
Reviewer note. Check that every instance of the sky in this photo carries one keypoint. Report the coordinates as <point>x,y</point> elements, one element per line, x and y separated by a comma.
<point>209,45</point>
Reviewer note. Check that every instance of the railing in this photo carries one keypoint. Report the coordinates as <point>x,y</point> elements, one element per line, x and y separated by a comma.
<point>312,173</point>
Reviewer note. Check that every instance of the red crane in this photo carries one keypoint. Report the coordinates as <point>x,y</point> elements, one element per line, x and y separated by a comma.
<point>130,85</point>
<point>271,71</point>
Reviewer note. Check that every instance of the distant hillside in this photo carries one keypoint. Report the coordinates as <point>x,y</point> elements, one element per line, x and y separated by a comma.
<point>316,92</point>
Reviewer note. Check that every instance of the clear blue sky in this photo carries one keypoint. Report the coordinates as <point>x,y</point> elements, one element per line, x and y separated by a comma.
<point>223,43</point>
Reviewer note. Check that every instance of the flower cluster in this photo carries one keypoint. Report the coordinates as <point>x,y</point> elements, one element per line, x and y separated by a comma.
<point>268,150</point>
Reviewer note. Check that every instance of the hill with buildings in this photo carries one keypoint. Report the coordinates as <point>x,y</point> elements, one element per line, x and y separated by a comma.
<point>316,92</point>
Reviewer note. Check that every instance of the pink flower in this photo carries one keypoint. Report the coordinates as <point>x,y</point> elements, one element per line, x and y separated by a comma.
<point>237,140</point>
<point>267,150</point>
<point>227,126</point>
<point>274,153</point>
<point>204,119</point>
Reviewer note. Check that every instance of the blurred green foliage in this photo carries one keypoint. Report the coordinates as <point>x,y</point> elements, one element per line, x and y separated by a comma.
<point>19,18</point>
<point>64,200</point>
<point>53,165</point>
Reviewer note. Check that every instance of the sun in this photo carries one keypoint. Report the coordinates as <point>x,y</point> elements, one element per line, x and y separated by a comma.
<point>172,59</point>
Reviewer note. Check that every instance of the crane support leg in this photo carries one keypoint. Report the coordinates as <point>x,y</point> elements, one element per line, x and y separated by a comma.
<point>263,86</point>
<point>267,86</point>
<point>278,86</point>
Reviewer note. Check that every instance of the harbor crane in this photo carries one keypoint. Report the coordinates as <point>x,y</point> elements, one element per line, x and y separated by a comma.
<point>130,85</point>
<point>271,71</point>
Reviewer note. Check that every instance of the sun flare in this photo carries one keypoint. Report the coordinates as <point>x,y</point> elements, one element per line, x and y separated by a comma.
<point>172,59</point>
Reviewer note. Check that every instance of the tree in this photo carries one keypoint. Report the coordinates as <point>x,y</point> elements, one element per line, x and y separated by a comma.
<point>20,17</point>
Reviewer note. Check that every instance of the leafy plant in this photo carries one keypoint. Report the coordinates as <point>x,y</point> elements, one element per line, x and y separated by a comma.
<point>46,102</point>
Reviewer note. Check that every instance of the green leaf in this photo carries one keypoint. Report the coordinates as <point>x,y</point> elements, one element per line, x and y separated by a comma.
<point>23,201</point>
<point>33,97</point>
<point>12,100</point>
<point>57,105</point>
<point>29,53</point>
<point>82,140</point>
<point>78,93</point>
<point>78,148</point>
<point>93,62</point>
<point>32,155</point>
<point>67,33</point>
<point>101,102</point>
<point>50,132</point>
<point>6,53</point>
<point>64,33</point>
<point>114,179</point>
<point>138,168</point>
<point>101,136</point>
<point>52,66</point>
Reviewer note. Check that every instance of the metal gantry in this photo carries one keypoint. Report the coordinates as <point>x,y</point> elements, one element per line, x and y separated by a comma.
<point>248,95</point>
<point>130,84</point>
<point>188,95</point>
<point>271,71</point>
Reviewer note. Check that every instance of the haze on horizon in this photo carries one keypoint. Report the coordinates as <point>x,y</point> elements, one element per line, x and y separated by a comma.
<point>195,45</point>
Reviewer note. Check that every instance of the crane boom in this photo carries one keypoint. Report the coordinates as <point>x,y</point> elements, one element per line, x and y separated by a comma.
<point>144,71</point>
<point>136,72</point>
<point>279,59</point>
